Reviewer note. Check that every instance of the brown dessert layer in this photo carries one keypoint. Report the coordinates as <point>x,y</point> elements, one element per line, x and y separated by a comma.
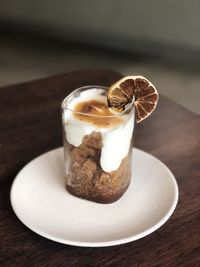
<point>85,177</point>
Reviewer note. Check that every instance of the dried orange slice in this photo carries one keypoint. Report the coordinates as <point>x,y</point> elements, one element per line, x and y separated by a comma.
<point>133,89</point>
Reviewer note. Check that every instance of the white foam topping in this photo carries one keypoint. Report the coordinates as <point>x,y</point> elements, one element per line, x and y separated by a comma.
<point>116,140</point>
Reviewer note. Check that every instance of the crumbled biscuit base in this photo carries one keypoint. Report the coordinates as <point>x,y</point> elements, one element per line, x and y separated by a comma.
<point>85,177</point>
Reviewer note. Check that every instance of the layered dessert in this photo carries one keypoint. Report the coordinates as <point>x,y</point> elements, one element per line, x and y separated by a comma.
<point>97,145</point>
<point>98,126</point>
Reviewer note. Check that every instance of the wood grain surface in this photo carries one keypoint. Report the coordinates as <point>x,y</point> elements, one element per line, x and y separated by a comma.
<point>30,124</point>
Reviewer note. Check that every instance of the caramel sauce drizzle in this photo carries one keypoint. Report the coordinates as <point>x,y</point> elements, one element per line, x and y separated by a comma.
<point>97,108</point>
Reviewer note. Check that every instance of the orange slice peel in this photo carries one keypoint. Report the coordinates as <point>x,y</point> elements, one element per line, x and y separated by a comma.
<point>133,90</point>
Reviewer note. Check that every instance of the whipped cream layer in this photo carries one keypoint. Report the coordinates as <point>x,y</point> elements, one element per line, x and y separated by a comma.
<point>116,140</point>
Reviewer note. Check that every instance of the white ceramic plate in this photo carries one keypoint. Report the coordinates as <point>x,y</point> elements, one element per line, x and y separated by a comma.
<point>41,202</point>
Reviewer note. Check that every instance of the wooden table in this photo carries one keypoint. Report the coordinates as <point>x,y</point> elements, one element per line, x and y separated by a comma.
<point>30,124</point>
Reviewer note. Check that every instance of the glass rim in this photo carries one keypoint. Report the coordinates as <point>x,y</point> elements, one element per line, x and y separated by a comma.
<point>64,106</point>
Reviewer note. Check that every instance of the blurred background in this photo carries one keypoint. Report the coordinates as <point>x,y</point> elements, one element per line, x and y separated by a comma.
<point>157,39</point>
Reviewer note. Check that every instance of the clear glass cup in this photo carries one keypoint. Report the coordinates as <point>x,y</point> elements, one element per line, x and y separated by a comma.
<point>97,150</point>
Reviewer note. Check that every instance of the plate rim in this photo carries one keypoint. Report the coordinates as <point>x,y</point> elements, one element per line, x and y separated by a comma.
<point>121,241</point>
